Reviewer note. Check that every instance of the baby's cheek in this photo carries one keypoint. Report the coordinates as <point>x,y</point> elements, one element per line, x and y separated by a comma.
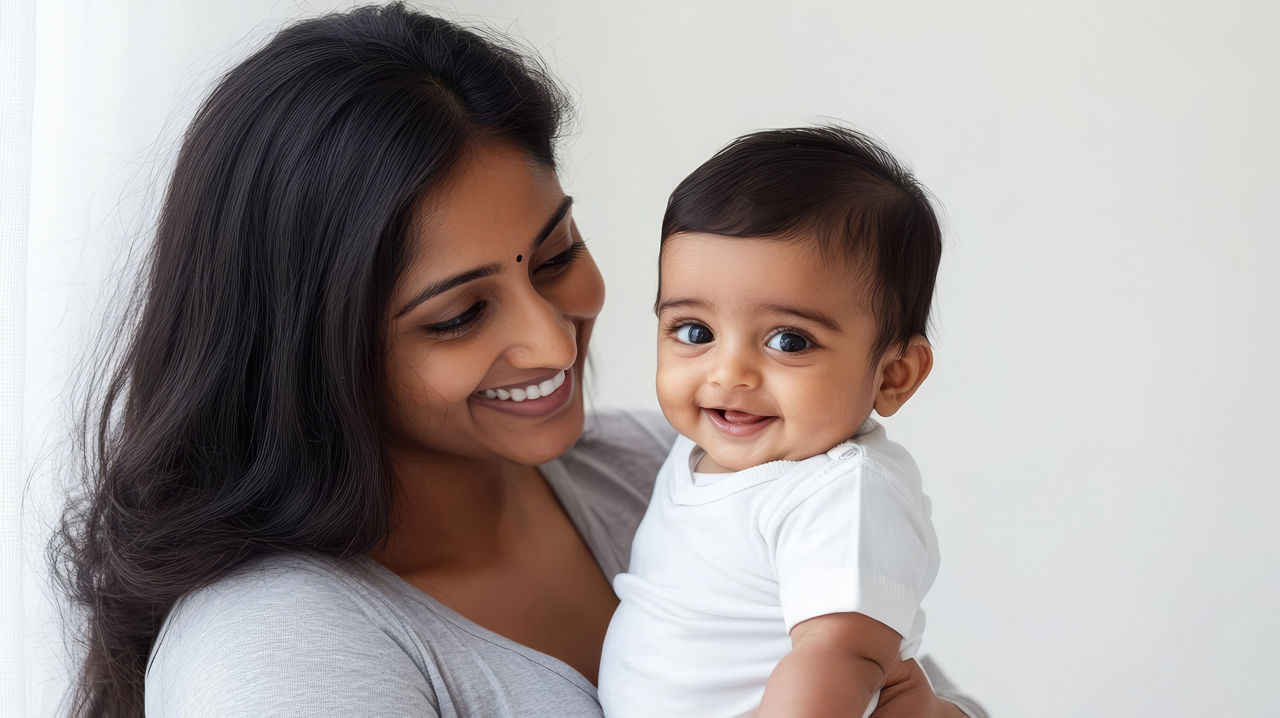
<point>676,396</point>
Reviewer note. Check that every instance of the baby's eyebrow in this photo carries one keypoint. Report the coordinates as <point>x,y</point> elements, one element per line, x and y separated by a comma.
<point>812,315</point>
<point>681,302</point>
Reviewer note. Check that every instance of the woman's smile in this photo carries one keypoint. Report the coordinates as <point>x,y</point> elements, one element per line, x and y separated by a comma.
<point>529,399</point>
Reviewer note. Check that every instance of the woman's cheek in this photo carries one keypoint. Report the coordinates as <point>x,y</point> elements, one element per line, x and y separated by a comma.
<point>448,376</point>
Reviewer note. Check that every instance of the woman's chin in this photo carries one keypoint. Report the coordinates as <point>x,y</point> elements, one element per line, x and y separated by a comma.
<point>552,441</point>
<point>533,439</point>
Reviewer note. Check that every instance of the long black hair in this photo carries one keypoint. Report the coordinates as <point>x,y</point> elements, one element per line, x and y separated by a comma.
<point>242,415</point>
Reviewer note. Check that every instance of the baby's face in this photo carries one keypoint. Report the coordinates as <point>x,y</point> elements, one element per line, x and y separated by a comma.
<point>763,349</point>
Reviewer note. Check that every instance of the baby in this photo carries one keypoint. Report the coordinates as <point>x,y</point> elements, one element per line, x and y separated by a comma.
<point>780,567</point>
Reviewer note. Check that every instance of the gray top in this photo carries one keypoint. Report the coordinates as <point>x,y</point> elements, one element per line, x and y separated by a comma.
<point>312,635</point>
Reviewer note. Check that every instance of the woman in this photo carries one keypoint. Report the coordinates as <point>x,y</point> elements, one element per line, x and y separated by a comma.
<point>342,467</point>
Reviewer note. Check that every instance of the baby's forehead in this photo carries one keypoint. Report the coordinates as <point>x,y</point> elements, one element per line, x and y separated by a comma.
<point>793,263</point>
<point>749,279</point>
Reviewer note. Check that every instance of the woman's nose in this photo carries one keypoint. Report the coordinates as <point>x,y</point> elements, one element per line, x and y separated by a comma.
<point>733,367</point>
<point>540,335</point>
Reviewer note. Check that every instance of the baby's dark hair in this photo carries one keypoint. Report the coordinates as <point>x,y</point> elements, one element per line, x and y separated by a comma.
<point>833,186</point>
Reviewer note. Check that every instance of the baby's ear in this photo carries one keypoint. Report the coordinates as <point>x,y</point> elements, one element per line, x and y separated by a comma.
<point>901,375</point>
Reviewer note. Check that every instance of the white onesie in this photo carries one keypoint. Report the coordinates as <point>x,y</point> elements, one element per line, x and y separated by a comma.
<point>721,570</point>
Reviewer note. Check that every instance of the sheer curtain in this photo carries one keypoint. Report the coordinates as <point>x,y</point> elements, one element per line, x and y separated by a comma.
<point>17,24</point>
<point>95,95</point>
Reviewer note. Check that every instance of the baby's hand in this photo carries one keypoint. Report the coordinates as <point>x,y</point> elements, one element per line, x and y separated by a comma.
<point>907,694</point>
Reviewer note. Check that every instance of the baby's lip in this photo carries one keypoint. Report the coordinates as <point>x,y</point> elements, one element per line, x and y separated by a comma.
<point>738,416</point>
<point>738,424</point>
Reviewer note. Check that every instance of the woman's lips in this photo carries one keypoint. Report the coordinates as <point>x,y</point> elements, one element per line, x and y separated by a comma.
<point>532,407</point>
<point>737,424</point>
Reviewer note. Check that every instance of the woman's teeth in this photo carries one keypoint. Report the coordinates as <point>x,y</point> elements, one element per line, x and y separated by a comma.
<point>533,391</point>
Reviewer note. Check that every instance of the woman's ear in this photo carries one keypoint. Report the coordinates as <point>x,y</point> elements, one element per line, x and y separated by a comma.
<point>900,376</point>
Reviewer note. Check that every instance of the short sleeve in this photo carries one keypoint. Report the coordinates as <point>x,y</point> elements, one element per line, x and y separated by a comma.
<point>852,539</point>
<point>279,643</point>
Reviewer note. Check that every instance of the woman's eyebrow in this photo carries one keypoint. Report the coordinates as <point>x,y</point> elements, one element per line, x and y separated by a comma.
<point>445,285</point>
<point>487,270</point>
<point>552,223</point>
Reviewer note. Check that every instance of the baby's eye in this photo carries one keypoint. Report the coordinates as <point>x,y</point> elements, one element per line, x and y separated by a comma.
<point>693,334</point>
<point>788,342</point>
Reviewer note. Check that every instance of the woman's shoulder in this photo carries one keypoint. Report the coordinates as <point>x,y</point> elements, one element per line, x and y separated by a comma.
<point>286,634</point>
<point>639,434</point>
<point>618,455</point>
<point>275,586</point>
<point>605,480</point>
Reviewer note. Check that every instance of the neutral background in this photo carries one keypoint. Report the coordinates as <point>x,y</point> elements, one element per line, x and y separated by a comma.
<point>1100,436</point>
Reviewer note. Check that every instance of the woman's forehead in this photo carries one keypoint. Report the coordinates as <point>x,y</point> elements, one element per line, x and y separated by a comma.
<point>497,202</point>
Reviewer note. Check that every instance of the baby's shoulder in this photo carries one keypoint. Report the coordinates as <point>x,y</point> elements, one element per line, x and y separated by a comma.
<point>867,464</point>
<point>873,453</point>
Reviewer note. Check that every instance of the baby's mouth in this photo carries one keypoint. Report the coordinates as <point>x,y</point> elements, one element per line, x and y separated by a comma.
<point>739,424</point>
<point>733,416</point>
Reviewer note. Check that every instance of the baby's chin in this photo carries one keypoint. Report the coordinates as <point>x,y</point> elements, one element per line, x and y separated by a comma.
<point>719,461</point>
<point>726,459</point>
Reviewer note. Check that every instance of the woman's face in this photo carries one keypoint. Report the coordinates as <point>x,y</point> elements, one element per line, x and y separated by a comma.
<point>488,327</point>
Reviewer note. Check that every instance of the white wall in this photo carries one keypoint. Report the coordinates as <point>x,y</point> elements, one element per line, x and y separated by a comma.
<point>1100,435</point>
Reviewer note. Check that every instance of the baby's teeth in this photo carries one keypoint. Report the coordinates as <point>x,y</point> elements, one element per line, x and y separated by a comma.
<point>517,395</point>
<point>502,393</point>
<point>559,379</point>
<point>533,392</point>
<point>490,394</point>
<point>546,387</point>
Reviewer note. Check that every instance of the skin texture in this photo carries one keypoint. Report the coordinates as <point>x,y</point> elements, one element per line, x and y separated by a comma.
<point>477,527</point>
<point>765,353</point>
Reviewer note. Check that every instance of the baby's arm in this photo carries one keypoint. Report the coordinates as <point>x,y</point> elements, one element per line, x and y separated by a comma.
<point>836,664</point>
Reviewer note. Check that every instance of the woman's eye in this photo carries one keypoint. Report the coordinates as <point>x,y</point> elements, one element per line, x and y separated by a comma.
<point>693,334</point>
<point>562,260</point>
<point>788,342</point>
<point>459,324</point>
